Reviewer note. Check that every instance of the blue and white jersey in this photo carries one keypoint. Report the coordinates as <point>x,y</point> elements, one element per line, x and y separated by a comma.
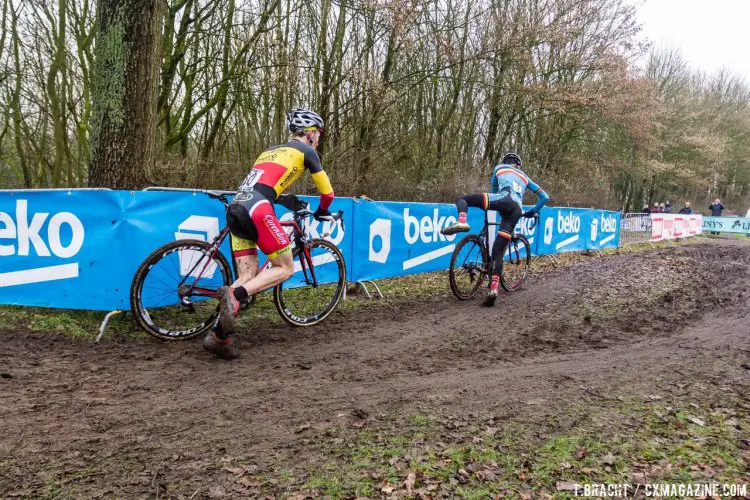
<point>517,182</point>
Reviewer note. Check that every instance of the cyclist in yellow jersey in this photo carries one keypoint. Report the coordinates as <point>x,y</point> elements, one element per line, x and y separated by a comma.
<point>253,224</point>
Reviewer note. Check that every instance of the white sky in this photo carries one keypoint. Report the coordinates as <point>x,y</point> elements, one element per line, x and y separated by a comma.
<point>710,33</point>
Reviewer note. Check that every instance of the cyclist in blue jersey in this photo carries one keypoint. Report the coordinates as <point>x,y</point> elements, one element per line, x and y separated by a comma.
<point>509,183</point>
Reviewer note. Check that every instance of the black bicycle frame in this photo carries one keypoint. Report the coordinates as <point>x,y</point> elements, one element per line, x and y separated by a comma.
<point>513,241</point>
<point>306,263</point>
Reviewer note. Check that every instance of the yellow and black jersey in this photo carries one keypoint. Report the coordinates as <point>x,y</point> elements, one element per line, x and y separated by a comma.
<point>279,166</point>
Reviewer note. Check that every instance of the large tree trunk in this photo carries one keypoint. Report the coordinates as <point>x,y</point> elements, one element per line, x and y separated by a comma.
<point>124,117</point>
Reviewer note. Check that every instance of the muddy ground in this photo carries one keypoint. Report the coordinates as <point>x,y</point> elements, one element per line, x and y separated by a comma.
<point>142,418</point>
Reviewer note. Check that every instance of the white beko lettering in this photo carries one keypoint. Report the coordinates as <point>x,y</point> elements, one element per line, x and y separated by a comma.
<point>26,231</point>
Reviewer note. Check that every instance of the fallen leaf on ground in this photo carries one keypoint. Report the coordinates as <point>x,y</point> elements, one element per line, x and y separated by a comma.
<point>215,492</point>
<point>697,421</point>
<point>249,483</point>
<point>565,486</point>
<point>411,481</point>
<point>534,402</point>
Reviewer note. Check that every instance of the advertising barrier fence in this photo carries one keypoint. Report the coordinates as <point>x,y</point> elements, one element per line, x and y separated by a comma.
<point>641,228</point>
<point>636,228</point>
<point>576,229</point>
<point>673,226</point>
<point>740,225</point>
<point>79,249</point>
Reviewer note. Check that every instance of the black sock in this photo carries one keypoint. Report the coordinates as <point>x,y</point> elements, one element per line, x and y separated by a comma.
<point>240,293</point>
<point>219,331</point>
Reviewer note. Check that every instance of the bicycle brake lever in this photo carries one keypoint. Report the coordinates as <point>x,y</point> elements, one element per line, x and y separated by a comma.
<point>535,221</point>
<point>337,218</point>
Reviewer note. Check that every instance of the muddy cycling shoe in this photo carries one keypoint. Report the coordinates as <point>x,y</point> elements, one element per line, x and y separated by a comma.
<point>489,301</point>
<point>222,348</point>
<point>458,227</point>
<point>229,306</point>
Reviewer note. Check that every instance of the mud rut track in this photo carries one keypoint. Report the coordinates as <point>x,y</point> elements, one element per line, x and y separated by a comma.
<point>599,323</point>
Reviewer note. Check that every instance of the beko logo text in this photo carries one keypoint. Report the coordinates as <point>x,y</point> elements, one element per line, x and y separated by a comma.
<point>28,234</point>
<point>568,223</point>
<point>609,224</point>
<point>426,229</point>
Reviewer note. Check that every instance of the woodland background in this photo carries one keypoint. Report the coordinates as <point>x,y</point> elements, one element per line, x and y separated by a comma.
<point>420,97</point>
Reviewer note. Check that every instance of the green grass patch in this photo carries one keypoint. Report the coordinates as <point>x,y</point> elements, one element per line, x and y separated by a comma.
<point>630,441</point>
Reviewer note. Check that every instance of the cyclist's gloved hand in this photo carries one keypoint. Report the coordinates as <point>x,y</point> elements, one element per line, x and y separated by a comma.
<point>322,213</point>
<point>529,214</point>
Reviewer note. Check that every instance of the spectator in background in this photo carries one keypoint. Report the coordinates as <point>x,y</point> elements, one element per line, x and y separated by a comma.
<point>716,209</point>
<point>647,210</point>
<point>668,207</point>
<point>686,210</point>
<point>655,209</point>
<point>662,208</point>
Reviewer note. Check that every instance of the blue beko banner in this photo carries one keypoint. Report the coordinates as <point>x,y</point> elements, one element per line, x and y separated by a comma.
<point>575,229</point>
<point>395,239</point>
<point>605,229</point>
<point>398,239</point>
<point>80,249</point>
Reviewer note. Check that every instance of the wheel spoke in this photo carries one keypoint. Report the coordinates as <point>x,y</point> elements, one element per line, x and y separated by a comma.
<point>157,303</point>
<point>515,268</point>
<point>300,303</point>
<point>467,268</point>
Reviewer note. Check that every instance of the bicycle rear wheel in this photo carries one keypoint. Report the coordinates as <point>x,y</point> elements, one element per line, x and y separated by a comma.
<point>173,295</point>
<point>516,264</point>
<point>313,292</point>
<point>469,264</point>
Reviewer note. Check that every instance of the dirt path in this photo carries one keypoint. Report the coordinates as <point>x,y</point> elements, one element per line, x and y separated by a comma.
<point>131,407</point>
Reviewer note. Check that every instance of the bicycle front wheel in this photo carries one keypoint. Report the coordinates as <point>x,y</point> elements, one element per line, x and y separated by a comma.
<point>173,295</point>
<point>315,288</point>
<point>469,264</point>
<point>516,263</point>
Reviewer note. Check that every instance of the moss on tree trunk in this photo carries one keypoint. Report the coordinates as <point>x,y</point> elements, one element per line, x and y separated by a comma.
<point>124,119</point>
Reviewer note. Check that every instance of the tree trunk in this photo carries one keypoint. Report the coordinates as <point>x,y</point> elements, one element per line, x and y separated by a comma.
<point>16,104</point>
<point>124,117</point>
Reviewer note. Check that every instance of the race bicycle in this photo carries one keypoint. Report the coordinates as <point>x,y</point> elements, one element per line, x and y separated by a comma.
<point>174,291</point>
<point>471,263</point>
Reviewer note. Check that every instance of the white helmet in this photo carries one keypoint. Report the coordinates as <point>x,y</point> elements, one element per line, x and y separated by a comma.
<point>300,119</point>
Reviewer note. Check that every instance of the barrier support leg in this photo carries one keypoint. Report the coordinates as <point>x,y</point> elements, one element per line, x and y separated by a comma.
<point>362,283</point>
<point>105,321</point>
<point>377,288</point>
<point>553,258</point>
